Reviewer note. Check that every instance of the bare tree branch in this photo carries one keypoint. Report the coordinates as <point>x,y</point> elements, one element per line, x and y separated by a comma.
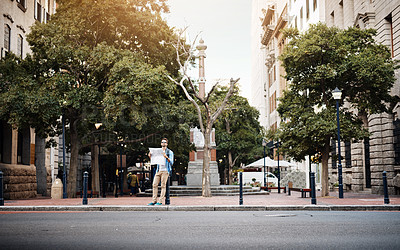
<point>227,96</point>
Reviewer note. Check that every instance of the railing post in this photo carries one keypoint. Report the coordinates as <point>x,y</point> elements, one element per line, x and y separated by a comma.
<point>313,196</point>
<point>167,200</point>
<point>85,187</point>
<point>241,188</point>
<point>385,188</point>
<point>1,189</point>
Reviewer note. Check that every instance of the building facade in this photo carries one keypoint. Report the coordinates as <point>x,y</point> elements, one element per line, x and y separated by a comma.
<point>24,161</point>
<point>364,162</point>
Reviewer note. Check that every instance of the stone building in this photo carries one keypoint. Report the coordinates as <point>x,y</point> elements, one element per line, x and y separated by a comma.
<point>24,161</point>
<point>365,161</point>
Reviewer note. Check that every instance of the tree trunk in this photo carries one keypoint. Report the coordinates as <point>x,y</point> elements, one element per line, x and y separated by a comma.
<point>325,172</point>
<point>230,167</point>
<point>73,166</point>
<point>95,168</point>
<point>206,182</point>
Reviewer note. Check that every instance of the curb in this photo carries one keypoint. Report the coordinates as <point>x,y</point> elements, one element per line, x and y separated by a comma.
<point>94,208</point>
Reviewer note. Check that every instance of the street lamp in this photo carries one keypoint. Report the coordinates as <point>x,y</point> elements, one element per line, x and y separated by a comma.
<point>279,170</point>
<point>264,143</point>
<point>64,168</point>
<point>101,171</point>
<point>121,175</point>
<point>337,95</point>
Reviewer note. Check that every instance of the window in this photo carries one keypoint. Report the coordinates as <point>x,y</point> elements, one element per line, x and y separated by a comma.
<point>347,146</point>
<point>20,44</point>
<point>307,9</point>
<point>22,5</point>
<point>315,5</point>
<point>333,152</point>
<point>396,135</point>
<point>390,27</point>
<point>7,37</point>
<point>274,73</point>
<point>22,2</point>
<point>38,12</point>
<point>301,18</point>
<point>272,104</point>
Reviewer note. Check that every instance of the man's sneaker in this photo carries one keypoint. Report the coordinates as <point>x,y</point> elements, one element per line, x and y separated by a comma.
<point>158,204</point>
<point>151,204</point>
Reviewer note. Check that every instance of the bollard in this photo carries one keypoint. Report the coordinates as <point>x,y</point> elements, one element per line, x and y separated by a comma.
<point>85,186</point>
<point>385,188</point>
<point>312,184</point>
<point>1,189</point>
<point>286,188</point>
<point>288,193</point>
<point>241,188</point>
<point>167,200</point>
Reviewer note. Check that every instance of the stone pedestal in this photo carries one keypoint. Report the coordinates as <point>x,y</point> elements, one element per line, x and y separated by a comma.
<point>195,168</point>
<point>195,174</point>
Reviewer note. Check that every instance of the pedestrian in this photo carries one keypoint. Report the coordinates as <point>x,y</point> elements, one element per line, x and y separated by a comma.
<point>133,183</point>
<point>162,173</point>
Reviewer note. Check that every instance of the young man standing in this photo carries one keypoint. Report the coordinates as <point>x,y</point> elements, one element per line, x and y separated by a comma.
<point>162,173</point>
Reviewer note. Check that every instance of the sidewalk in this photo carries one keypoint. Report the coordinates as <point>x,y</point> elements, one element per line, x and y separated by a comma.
<point>274,201</point>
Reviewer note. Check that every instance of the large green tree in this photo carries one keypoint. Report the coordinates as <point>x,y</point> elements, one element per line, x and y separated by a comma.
<point>317,62</point>
<point>238,133</point>
<point>104,54</point>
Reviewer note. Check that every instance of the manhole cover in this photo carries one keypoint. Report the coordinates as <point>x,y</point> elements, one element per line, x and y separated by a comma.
<point>280,215</point>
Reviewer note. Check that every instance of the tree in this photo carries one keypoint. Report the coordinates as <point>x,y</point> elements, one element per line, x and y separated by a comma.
<point>317,62</point>
<point>81,54</point>
<point>238,132</point>
<point>206,114</point>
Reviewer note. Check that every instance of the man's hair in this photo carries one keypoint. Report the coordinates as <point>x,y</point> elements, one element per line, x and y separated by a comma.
<point>164,139</point>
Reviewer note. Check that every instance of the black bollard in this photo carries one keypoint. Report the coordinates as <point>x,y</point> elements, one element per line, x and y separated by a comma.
<point>288,192</point>
<point>241,188</point>
<point>1,189</point>
<point>312,184</point>
<point>167,200</point>
<point>385,188</point>
<point>85,186</point>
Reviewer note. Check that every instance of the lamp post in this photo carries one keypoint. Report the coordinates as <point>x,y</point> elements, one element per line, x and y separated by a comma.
<point>64,170</point>
<point>121,175</point>
<point>101,176</point>
<point>337,95</point>
<point>264,143</point>
<point>279,170</point>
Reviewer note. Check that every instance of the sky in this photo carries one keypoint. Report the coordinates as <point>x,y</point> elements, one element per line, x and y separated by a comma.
<point>224,25</point>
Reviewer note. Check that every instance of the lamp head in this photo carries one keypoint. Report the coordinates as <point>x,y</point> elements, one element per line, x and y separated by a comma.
<point>337,94</point>
<point>264,143</point>
<point>98,125</point>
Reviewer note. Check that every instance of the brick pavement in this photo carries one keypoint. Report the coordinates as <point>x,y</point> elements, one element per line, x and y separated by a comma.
<point>274,199</point>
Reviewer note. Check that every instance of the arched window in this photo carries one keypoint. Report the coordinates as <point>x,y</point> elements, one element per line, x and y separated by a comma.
<point>7,37</point>
<point>20,45</point>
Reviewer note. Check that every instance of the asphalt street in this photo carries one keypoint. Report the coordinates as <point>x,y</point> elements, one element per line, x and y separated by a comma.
<point>200,230</point>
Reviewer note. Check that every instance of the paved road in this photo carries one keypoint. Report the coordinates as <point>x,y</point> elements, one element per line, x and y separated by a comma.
<point>200,230</point>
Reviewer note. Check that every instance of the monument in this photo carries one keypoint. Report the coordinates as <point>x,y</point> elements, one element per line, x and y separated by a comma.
<point>195,168</point>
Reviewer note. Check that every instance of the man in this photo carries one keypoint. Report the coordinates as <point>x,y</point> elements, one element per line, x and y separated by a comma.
<point>133,183</point>
<point>162,173</point>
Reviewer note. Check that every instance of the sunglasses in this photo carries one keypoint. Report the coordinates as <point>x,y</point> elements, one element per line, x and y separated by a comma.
<point>163,142</point>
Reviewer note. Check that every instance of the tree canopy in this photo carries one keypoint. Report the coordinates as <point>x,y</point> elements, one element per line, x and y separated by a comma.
<point>238,133</point>
<point>96,61</point>
<point>317,62</point>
